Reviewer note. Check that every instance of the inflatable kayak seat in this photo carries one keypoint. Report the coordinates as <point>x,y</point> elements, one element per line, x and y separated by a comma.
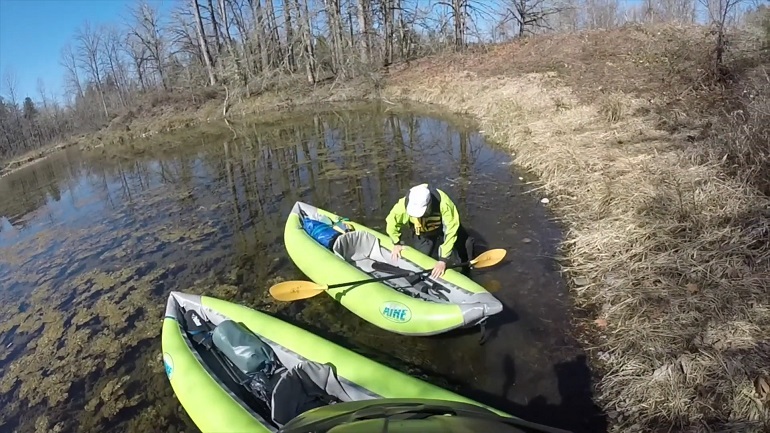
<point>363,250</point>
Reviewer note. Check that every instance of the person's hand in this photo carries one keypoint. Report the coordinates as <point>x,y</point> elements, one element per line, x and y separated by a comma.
<point>396,253</point>
<point>439,269</point>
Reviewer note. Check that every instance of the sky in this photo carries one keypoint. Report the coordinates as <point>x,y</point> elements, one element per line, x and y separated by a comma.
<point>32,33</point>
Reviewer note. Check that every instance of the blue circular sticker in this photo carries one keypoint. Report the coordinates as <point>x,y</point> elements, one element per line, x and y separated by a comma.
<point>168,364</point>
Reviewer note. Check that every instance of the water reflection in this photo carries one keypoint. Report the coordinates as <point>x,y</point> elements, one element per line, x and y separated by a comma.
<point>90,245</point>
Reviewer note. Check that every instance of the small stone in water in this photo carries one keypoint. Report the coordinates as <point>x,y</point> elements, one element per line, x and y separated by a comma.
<point>521,178</point>
<point>544,200</point>
<point>526,240</point>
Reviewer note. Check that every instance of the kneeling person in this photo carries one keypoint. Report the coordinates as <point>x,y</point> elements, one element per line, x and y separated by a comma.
<point>436,224</point>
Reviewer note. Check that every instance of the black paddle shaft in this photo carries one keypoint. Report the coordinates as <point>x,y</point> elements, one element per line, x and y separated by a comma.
<point>393,277</point>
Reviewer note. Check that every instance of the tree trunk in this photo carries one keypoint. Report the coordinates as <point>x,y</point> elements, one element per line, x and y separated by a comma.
<point>225,24</point>
<point>307,41</point>
<point>247,49</point>
<point>215,27</point>
<point>114,73</point>
<point>351,33</point>
<point>522,9</point>
<point>100,89</point>
<point>363,26</point>
<point>104,101</point>
<point>262,45</point>
<point>289,35</point>
<point>229,43</point>
<point>403,42</point>
<point>272,30</point>
<point>389,14</point>
<point>140,73</point>
<point>162,75</point>
<point>333,14</point>
<point>459,12</point>
<point>204,46</point>
<point>340,34</point>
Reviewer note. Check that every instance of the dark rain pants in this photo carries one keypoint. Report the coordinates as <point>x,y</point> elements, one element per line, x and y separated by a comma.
<point>462,251</point>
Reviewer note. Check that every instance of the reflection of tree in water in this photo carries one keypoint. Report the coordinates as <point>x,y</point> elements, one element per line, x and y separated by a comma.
<point>339,161</point>
<point>351,159</point>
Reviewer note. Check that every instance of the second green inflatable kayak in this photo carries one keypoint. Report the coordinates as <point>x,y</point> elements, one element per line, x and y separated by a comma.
<point>426,308</point>
<point>215,374</point>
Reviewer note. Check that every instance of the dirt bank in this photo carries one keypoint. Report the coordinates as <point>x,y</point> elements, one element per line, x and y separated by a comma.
<point>33,157</point>
<point>667,249</point>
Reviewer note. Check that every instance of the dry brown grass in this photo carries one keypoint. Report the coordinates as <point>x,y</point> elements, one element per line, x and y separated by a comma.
<point>675,246</point>
<point>741,140</point>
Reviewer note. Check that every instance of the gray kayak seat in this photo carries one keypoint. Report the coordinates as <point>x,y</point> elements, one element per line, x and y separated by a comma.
<point>287,392</point>
<point>307,385</point>
<point>357,246</point>
<point>363,250</point>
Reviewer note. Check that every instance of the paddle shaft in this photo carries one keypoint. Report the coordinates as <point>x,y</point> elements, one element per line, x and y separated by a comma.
<point>393,277</point>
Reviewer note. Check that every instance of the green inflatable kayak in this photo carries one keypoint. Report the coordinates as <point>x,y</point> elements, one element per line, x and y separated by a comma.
<point>427,307</point>
<point>235,369</point>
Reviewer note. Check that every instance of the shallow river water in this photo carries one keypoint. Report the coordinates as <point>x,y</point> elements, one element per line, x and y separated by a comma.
<point>92,243</point>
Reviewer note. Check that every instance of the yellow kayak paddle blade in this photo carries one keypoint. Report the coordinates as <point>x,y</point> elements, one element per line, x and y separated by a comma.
<point>295,290</point>
<point>489,258</point>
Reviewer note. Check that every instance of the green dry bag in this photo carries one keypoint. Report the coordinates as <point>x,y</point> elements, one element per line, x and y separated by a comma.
<point>247,351</point>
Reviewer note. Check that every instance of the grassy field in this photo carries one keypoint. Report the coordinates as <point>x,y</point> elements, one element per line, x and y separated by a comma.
<point>658,164</point>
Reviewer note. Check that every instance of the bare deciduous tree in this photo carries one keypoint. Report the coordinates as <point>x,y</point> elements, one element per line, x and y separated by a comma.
<point>682,11</point>
<point>720,12</point>
<point>332,8</point>
<point>215,27</point>
<point>72,81</point>
<point>529,15</point>
<point>10,83</point>
<point>303,16</point>
<point>146,30</point>
<point>602,14</point>
<point>204,46</point>
<point>89,58</point>
<point>110,50</point>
